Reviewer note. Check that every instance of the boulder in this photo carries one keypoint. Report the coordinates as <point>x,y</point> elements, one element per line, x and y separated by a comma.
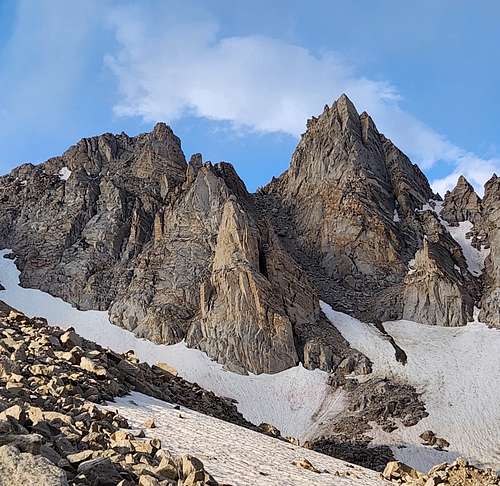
<point>25,469</point>
<point>100,470</point>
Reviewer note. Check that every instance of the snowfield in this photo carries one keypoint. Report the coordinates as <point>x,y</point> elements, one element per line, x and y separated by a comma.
<point>237,455</point>
<point>457,370</point>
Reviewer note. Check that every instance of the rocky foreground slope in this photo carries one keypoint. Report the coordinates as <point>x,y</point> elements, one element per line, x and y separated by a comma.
<point>55,429</point>
<point>50,384</point>
<point>181,250</point>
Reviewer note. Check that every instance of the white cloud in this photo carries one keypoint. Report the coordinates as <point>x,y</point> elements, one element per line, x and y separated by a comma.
<point>168,68</point>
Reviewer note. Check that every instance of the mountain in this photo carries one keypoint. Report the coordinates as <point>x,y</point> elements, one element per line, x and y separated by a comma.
<point>181,250</point>
<point>180,253</point>
<point>350,209</point>
<point>173,250</point>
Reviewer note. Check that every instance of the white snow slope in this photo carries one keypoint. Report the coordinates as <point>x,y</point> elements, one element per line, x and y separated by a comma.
<point>290,400</point>
<point>457,370</point>
<point>237,455</point>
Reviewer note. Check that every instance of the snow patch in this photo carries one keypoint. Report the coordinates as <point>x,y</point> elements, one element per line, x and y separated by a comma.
<point>64,174</point>
<point>395,217</point>
<point>457,370</point>
<point>411,266</point>
<point>475,258</point>
<point>236,455</point>
<point>289,400</point>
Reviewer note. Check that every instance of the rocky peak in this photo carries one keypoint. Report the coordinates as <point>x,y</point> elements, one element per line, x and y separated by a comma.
<point>177,250</point>
<point>492,191</point>
<point>434,290</point>
<point>462,203</point>
<point>345,184</point>
<point>339,145</point>
<point>145,156</point>
<point>352,199</point>
<point>161,131</point>
<point>346,113</point>
<point>344,149</point>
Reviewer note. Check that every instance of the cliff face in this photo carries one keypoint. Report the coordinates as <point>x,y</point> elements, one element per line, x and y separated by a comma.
<point>73,235</point>
<point>177,250</point>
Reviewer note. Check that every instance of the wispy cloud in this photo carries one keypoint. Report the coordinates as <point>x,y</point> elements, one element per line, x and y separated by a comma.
<point>170,66</point>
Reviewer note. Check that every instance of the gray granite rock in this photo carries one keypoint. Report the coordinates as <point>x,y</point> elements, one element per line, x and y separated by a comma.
<point>25,469</point>
<point>176,250</point>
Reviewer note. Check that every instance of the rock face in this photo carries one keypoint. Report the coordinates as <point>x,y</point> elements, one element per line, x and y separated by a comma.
<point>181,250</point>
<point>349,209</point>
<point>73,236</point>
<point>241,294</point>
<point>340,192</point>
<point>490,303</point>
<point>433,293</point>
<point>173,250</point>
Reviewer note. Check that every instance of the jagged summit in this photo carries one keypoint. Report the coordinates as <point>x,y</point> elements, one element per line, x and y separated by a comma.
<point>181,251</point>
<point>463,182</point>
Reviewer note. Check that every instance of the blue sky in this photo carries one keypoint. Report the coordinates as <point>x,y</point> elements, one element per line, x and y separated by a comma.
<point>237,80</point>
